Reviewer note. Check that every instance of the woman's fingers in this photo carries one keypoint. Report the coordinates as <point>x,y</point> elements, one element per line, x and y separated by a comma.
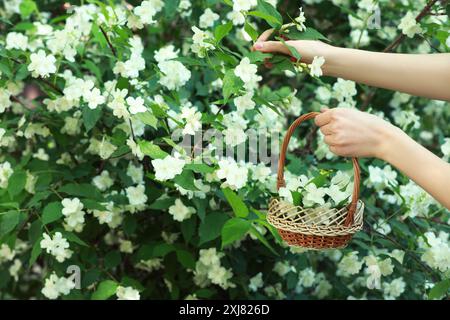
<point>265,35</point>
<point>271,46</point>
<point>323,118</point>
<point>326,129</point>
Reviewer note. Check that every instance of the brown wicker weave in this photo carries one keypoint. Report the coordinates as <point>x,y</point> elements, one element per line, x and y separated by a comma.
<point>315,228</point>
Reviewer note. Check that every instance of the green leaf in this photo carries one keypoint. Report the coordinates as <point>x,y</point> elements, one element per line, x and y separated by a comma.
<point>258,56</point>
<point>199,167</point>
<point>308,34</point>
<point>22,73</point>
<point>8,221</point>
<point>92,204</point>
<point>27,7</point>
<point>292,49</point>
<point>35,252</point>
<point>106,289</point>
<point>231,84</point>
<point>273,21</point>
<point>211,226</point>
<point>238,206</point>
<point>251,31</point>
<point>263,240</point>
<point>52,212</point>
<point>72,237</point>
<point>5,68</point>
<point>152,150</point>
<point>148,118</point>
<point>439,289</point>
<point>91,66</point>
<point>120,151</point>
<point>267,9</point>
<point>81,190</point>
<point>186,259</point>
<point>112,259</point>
<point>222,30</point>
<point>16,183</point>
<point>90,117</point>
<point>234,229</point>
<point>170,8</point>
<point>162,204</point>
<point>186,180</point>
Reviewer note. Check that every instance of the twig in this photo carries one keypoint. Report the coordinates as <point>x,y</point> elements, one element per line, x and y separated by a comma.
<point>51,85</point>
<point>108,41</point>
<point>394,44</point>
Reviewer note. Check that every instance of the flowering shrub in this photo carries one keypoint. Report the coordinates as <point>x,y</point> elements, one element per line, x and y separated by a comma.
<point>99,199</point>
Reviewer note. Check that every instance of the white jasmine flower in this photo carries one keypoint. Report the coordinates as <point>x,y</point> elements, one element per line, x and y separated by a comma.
<point>300,20</point>
<point>208,18</point>
<point>180,212</point>
<point>136,195</point>
<point>103,181</point>
<point>349,265</point>
<point>147,10</point>
<point>236,17</point>
<point>136,105</point>
<point>394,289</point>
<point>256,282</point>
<point>73,212</point>
<point>243,5</point>
<point>199,45</point>
<point>247,71</point>
<point>135,149</point>
<point>136,173</point>
<point>15,40</point>
<point>235,176</point>
<point>56,246</point>
<point>94,98</point>
<point>42,65</point>
<point>192,117</point>
<point>5,172</point>
<point>175,74</point>
<point>127,293</point>
<point>313,195</point>
<point>166,53</point>
<point>167,168</point>
<point>55,286</point>
<point>409,25</point>
<point>316,66</point>
<point>244,102</point>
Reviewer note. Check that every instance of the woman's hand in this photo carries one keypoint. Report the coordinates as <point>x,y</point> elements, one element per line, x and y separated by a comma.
<point>353,133</point>
<point>307,48</point>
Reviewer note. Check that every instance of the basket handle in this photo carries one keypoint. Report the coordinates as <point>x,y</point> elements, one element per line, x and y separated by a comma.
<point>280,176</point>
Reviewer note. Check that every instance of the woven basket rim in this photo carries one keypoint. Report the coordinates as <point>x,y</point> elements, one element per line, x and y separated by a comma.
<point>316,229</point>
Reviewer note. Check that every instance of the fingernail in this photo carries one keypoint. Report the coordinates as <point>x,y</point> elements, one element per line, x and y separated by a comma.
<point>258,45</point>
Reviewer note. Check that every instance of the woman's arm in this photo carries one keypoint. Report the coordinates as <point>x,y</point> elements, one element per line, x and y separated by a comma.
<point>426,75</point>
<point>352,133</point>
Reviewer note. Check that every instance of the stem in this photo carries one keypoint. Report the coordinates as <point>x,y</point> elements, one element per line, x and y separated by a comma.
<point>108,41</point>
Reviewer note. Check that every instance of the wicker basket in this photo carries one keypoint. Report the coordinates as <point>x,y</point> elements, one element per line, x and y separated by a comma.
<point>315,228</point>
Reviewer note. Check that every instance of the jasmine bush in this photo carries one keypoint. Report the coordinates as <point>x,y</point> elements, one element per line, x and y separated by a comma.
<point>99,200</point>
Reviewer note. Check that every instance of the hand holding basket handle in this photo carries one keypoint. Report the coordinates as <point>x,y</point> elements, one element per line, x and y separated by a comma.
<point>297,226</point>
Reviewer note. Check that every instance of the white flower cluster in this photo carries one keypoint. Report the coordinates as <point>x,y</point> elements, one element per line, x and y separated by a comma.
<point>339,190</point>
<point>436,250</point>
<point>73,213</point>
<point>180,212</point>
<point>235,174</point>
<point>58,246</point>
<point>56,286</point>
<point>209,270</point>
<point>131,67</point>
<point>127,293</point>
